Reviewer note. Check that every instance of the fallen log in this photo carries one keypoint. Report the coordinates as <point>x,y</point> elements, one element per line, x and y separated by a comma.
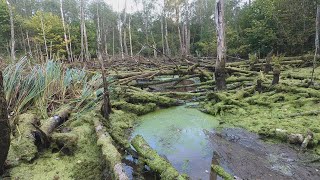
<point>110,153</point>
<point>24,146</point>
<point>221,172</point>
<point>154,161</point>
<point>52,123</point>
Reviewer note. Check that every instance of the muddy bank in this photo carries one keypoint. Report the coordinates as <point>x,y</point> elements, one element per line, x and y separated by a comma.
<point>246,156</point>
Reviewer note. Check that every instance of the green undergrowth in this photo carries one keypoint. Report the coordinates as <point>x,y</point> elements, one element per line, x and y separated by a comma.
<point>284,108</point>
<point>85,163</point>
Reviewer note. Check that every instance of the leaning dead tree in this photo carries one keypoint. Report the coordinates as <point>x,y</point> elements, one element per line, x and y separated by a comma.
<point>4,126</point>
<point>220,72</point>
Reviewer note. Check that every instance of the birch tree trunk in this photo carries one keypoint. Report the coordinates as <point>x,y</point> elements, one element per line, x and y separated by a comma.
<point>220,73</point>
<point>82,54</point>
<point>12,42</point>
<point>316,55</point>
<point>168,52</point>
<point>4,127</point>
<point>112,42</point>
<point>125,29</point>
<point>120,38</point>
<point>87,54</point>
<point>64,31</point>
<point>162,35</point>
<point>130,37</point>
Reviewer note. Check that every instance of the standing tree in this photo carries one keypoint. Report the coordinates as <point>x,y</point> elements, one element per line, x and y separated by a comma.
<point>13,56</point>
<point>64,31</point>
<point>220,72</point>
<point>316,55</point>
<point>4,127</point>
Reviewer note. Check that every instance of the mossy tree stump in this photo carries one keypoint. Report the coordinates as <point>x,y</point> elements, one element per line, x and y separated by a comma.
<point>4,126</point>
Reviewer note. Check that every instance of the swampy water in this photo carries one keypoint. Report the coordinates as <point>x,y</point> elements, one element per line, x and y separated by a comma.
<point>178,134</point>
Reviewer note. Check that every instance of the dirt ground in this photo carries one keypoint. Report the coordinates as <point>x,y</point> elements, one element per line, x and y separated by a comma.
<point>245,156</point>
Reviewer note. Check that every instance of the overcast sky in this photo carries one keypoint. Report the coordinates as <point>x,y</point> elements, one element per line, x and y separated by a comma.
<point>118,5</point>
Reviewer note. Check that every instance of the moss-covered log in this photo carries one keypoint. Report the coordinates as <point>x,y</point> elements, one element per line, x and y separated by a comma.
<point>146,97</point>
<point>119,125</point>
<point>24,144</point>
<point>138,109</point>
<point>221,172</point>
<point>59,118</point>
<point>4,126</point>
<point>110,152</point>
<point>154,161</point>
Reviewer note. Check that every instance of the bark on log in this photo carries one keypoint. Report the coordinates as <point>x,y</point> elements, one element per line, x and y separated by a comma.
<point>110,152</point>
<point>4,127</point>
<point>154,161</point>
<point>52,123</point>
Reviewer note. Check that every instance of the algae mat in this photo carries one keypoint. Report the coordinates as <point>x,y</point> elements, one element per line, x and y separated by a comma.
<point>178,134</point>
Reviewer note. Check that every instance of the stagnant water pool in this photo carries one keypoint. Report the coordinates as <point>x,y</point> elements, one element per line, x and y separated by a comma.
<point>177,133</point>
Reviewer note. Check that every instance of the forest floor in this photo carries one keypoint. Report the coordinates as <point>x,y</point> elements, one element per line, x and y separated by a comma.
<point>87,146</point>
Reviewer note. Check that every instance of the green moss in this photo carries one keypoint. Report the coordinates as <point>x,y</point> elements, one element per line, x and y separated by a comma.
<point>23,145</point>
<point>280,109</point>
<point>66,142</point>
<point>153,160</point>
<point>146,97</point>
<point>86,163</point>
<point>139,109</point>
<point>119,125</point>
<point>221,172</point>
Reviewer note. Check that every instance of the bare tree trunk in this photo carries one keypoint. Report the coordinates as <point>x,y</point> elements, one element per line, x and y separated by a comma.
<point>179,30</point>
<point>64,30</point>
<point>12,42</point>
<point>82,30</point>
<point>220,72</point>
<point>187,30</point>
<point>105,39</point>
<point>24,44</point>
<point>4,127</point>
<point>120,38</point>
<point>168,52</point>
<point>70,44</point>
<point>44,36</point>
<point>162,34</point>
<point>98,31</point>
<point>125,29</point>
<point>29,46</point>
<point>316,55</point>
<point>87,53</point>
<point>112,42</point>
<point>130,37</point>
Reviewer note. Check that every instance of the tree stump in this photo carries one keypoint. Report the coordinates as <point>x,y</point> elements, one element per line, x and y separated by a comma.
<point>4,127</point>
<point>276,75</point>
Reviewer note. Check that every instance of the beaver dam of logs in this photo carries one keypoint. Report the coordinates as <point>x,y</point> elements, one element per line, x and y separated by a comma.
<point>167,120</point>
